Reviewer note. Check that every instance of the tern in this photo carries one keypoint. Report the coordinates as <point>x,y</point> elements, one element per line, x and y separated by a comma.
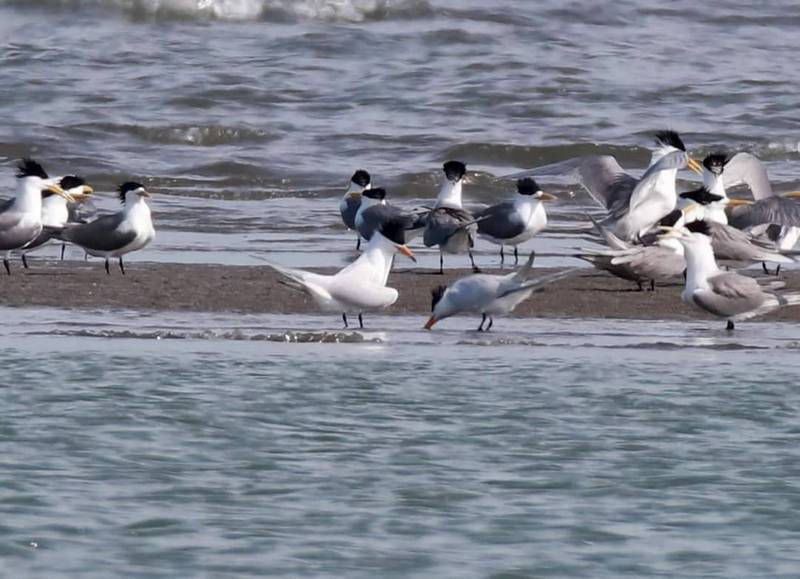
<point>635,205</point>
<point>117,234</point>
<point>360,286</point>
<point>21,216</point>
<point>727,295</point>
<point>351,201</point>
<point>449,225</point>
<point>514,222</point>
<point>487,295</point>
<point>56,211</point>
<point>374,211</point>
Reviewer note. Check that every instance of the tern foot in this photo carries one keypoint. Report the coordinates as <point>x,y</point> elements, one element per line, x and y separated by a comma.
<point>491,323</point>
<point>360,322</point>
<point>7,266</point>
<point>344,319</point>
<point>121,267</point>
<point>24,261</point>
<point>108,271</point>
<point>652,285</point>
<point>63,248</point>
<point>516,256</point>
<point>639,284</point>
<point>358,243</point>
<point>502,257</point>
<point>483,320</point>
<point>730,327</point>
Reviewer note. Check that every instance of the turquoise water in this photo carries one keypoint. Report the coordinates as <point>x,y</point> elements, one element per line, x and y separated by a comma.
<point>174,445</point>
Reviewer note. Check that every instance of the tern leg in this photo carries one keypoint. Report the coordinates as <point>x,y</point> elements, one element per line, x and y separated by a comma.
<point>491,322</point>
<point>344,319</point>
<point>652,285</point>
<point>516,256</point>
<point>108,271</point>
<point>764,267</point>
<point>502,256</point>
<point>483,319</point>
<point>121,267</point>
<point>778,270</point>
<point>8,267</point>
<point>475,268</point>
<point>730,326</point>
<point>641,289</point>
<point>441,263</point>
<point>358,243</point>
<point>24,261</point>
<point>360,322</point>
<point>63,248</point>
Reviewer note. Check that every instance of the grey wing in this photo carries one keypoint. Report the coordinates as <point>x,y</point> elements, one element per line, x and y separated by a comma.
<point>12,234</point>
<point>373,217</point>
<point>102,234</point>
<point>605,180</point>
<point>443,223</point>
<point>8,217</point>
<point>348,208</point>
<point>731,294</point>
<point>82,212</point>
<point>500,221</point>
<point>747,169</point>
<point>774,209</point>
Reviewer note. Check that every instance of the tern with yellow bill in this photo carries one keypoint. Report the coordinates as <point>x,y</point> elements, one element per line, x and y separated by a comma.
<point>21,216</point>
<point>351,201</point>
<point>514,222</point>
<point>360,286</point>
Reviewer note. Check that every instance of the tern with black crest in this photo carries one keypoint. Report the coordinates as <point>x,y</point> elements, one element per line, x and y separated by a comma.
<point>375,211</point>
<point>514,222</point>
<point>129,229</point>
<point>351,201</point>
<point>21,216</point>
<point>359,287</point>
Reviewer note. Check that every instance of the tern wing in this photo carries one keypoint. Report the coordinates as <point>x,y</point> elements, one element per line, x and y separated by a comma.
<point>14,235</point>
<point>774,209</point>
<point>744,168</point>
<point>605,180</point>
<point>102,234</point>
<point>730,294</point>
<point>646,185</point>
<point>731,243</point>
<point>500,221</point>
<point>444,222</point>
<point>359,294</point>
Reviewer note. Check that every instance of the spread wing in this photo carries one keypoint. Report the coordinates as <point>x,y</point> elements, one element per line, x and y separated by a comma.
<point>102,234</point>
<point>747,169</point>
<point>500,221</point>
<point>605,180</point>
<point>774,209</point>
<point>646,185</point>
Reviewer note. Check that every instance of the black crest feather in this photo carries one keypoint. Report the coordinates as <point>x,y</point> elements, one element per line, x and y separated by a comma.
<point>699,226</point>
<point>671,218</point>
<point>670,138</point>
<point>454,170</point>
<point>126,187</point>
<point>376,193</point>
<point>27,167</point>
<point>436,295</point>
<point>702,196</point>
<point>361,178</point>
<point>527,186</point>
<point>394,230</point>
<point>71,181</point>
<point>715,162</point>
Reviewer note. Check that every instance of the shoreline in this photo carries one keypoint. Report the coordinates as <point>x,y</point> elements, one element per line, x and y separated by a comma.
<point>585,293</point>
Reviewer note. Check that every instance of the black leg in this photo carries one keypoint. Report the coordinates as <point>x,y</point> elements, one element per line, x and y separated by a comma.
<point>764,267</point>
<point>358,243</point>
<point>638,283</point>
<point>475,268</point>
<point>502,256</point>
<point>24,261</point>
<point>63,248</point>
<point>8,267</point>
<point>360,322</point>
<point>121,267</point>
<point>778,270</point>
<point>652,285</point>
<point>491,323</point>
<point>108,271</point>
<point>483,319</point>
<point>85,257</point>
<point>441,263</point>
<point>730,326</point>
<point>344,319</point>
<point>516,256</point>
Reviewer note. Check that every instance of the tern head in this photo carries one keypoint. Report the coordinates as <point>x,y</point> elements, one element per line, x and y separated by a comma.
<point>131,191</point>
<point>32,176</point>
<point>394,232</point>
<point>528,186</point>
<point>361,178</point>
<point>76,186</point>
<point>439,309</point>
<point>715,162</point>
<point>454,170</point>
<point>378,193</point>
<point>692,234</point>
<point>668,141</point>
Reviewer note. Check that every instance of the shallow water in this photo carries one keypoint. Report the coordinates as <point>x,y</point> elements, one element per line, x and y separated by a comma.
<point>150,445</point>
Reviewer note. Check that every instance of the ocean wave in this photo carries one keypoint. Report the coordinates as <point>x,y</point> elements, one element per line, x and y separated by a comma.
<point>245,10</point>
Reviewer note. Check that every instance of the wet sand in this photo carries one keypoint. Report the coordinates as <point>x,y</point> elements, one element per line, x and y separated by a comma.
<point>216,288</point>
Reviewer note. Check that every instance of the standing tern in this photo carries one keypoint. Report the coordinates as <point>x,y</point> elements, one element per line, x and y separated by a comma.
<point>727,295</point>
<point>514,222</point>
<point>351,201</point>
<point>21,216</point>
<point>56,211</point>
<point>117,234</point>
<point>361,285</point>
<point>488,295</point>
<point>635,205</point>
<point>449,225</point>
<point>375,211</point>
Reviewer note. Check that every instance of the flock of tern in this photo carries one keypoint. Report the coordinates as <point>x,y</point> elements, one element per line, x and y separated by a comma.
<point>652,232</point>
